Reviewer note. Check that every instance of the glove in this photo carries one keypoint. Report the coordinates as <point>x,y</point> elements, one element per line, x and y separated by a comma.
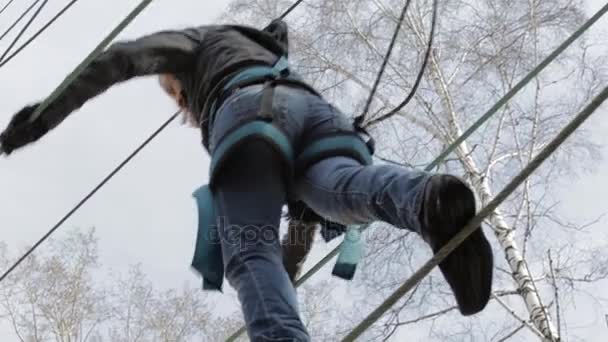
<point>279,31</point>
<point>21,132</point>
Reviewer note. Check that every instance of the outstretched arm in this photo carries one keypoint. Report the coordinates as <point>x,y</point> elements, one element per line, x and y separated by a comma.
<point>162,52</point>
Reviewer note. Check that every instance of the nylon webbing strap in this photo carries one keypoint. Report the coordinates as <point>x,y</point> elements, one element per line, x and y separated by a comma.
<point>267,100</point>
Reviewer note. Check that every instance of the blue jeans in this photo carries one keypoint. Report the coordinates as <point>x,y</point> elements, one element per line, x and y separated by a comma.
<point>251,191</point>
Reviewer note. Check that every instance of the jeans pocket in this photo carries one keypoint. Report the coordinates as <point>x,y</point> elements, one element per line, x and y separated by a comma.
<point>242,106</point>
<point>290,109</point>
<point>325,118</point>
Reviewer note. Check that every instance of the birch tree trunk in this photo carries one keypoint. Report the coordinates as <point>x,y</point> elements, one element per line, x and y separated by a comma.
<point>505,235</point>
<point>482,48</point>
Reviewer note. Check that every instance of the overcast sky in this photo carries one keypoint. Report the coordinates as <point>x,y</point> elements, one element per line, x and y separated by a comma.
<point>146,214</point>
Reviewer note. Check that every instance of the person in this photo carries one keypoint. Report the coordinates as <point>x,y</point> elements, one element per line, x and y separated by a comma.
<point>274,141</point>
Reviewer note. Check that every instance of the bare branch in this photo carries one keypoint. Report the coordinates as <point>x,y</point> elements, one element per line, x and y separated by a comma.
<point>524,322</point>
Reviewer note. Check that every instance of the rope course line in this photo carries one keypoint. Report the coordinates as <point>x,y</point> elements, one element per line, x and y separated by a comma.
<point>56,93</point>
<point>89,195</point>
<point>38,33</point>
<point>27,25</point>
<point>545,153</point>
<point>60,89</point>
<point>478,219</point>
<point>291,8</point>
<point>358,121</point>
<point>6,6</point>
<point>521,84</point>
<point>16,22</point>
<point>425,61</point>
<point>493,110</point>
<point>389,51</point>
<point>80,68</point>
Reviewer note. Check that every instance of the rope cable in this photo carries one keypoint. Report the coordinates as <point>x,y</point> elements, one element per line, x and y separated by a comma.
<point>521,84</point>
<point>6,6</point>
<point>88,196</point>
<point>38,33</point>
<point>291,8</point>
<point>437,161</point>
<point>242,329</point>
<point>80,68</point>
<point>27,25</point>
<point>60,89</point>
<point>476,222</point>
<point>445,251</point>
<point>54,95</point>
<point>359,119</point>
<point>425,269</point>
<point>18,20</point>
<point>425,61</point>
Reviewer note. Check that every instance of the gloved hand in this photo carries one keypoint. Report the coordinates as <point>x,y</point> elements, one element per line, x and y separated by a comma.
<point>21,132</point>
<point>279,31</point>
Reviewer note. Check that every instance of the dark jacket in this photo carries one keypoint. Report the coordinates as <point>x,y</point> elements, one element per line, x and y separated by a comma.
<point>202,58</point>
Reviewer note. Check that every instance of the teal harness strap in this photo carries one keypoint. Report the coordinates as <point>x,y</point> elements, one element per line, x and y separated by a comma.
<point>351,251</point>
<point>207,258</point>
<point>280,70</point>
<point>340,144</point>
<point>350,145</point>
<point>253,130</point>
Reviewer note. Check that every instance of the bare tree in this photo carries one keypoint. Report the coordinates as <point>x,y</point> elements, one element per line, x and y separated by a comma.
<point>53,296</point>
<point>482,48</point>
<point>132,299</point>
<point>142,313</point>
<point>319,310</point>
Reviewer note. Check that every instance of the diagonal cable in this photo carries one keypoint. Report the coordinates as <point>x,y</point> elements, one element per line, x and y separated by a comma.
<point>38,33</point>
<point>521,84</point>
<point>291,8</point>
<point>425,61</point>
<point>16,22</point>
<point>80,68</point>
<point>60,89</point>
<point>476,222</point>
<point>56,93</point>
<point>359,119</point>
<point>27,25</point>
<point>6,6</point>
<point>88,196</point>
<point>437,161</point>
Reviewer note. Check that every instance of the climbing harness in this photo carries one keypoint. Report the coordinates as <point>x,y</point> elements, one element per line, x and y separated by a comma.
<point>207,258</point>
<point>341,144</point>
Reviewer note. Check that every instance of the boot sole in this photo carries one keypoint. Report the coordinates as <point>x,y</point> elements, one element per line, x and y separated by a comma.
<point>449,205</point>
